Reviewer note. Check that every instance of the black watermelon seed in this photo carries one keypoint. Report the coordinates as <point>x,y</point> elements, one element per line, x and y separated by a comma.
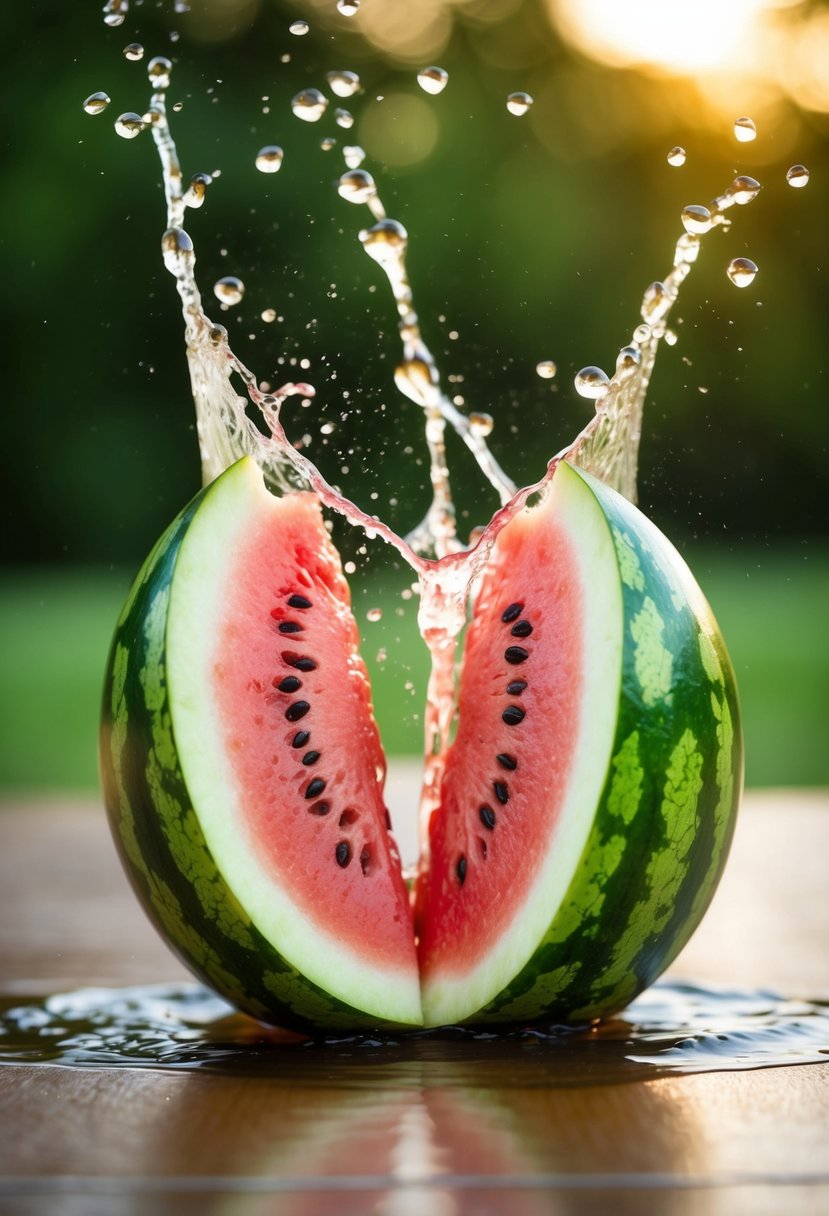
<point>289,684</point>
<point>509,614</point>
<point>460,870</point>
<point>315,788</point>
<point>343,853</point>
<point>487,816</point>
<point>300,661</point>
<point>501,792</point>
<point>298,601</point>
<point>289,627</point>
<point>310,758</point>
<point>296,711</point>
<point>348,817</point>
<point>507,761</point>
<point>365,858</point>
<point>300,738</point>
<point>513,714</point>
<point>516,687</point>
<point>521,629</point>
<point>515,655</point>
<point>319,808</point>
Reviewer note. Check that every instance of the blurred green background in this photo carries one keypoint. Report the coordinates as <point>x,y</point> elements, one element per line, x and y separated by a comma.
<point>531,239</point>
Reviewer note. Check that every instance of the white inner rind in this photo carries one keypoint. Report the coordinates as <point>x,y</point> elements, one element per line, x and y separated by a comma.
<point>196,609</point>
<point>575,508</point>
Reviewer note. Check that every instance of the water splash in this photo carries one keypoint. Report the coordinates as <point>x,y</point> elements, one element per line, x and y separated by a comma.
<point>447,570</point>
<point>673,1027</point>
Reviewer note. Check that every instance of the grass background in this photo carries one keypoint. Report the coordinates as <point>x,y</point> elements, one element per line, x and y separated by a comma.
<point>55,627</point>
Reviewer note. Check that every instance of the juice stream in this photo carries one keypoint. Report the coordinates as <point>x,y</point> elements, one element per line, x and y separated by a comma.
<point>446,570</point>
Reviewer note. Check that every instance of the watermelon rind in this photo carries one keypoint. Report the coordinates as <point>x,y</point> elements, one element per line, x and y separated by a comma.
<point>173,804</point>
<point>649,811</point>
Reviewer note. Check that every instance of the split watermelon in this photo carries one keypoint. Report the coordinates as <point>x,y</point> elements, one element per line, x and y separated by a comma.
<point>588,797</point>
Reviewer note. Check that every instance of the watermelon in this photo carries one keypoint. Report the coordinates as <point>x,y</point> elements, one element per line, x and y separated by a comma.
<point>587,799</point>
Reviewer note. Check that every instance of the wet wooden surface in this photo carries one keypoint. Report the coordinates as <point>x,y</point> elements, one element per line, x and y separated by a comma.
<point>443,1136</point>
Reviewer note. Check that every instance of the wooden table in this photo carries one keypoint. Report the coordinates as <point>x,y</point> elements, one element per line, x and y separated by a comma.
<point>438,1133</point>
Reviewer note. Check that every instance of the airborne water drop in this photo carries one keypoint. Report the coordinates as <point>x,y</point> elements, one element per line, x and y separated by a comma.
<point>676,156</point>
<point>797,176</point>
<point>745,130</point>
<point>309,105</point>
<point>96,103</point>
<point>741,271</point>
<point>433,80</point>
<point>269,159</point>
<point>229,290</point>
<point>519,103</point>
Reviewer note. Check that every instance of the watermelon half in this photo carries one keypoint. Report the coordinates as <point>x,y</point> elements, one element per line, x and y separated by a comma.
<point>588,797</point>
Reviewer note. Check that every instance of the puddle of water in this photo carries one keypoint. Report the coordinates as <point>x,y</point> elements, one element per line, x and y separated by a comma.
<point>674,1027</point>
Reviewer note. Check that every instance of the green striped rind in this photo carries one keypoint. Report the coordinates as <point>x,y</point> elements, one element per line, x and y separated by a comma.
<point>665,819</point>
<point>157,830</point>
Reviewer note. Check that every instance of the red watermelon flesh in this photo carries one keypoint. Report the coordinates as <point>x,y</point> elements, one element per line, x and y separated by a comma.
<point>518,702</point>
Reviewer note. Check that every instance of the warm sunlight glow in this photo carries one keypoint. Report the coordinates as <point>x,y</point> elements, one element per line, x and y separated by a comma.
<point>681,38</point>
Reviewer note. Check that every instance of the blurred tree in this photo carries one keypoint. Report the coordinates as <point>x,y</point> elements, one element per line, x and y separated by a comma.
<point>532,238</point>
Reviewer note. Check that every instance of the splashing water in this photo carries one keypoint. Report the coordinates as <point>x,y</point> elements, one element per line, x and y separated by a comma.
<point>446,569</point>
<point>673,1027</point>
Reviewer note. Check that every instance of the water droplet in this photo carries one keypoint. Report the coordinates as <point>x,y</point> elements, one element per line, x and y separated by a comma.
<point>195,192</point>
<point>481,424</point>
<point>385,241</point>
<point>374,614</point>
<point>178,106</point>
<point>744,189</point>
<point>676,156</point>
<point>327,143</point>
<point>129,125</point>
<point>268,314</point>
<point>519,103</point>
<point>546,369</point>
<point>696,219</point>
<point>96,103</point>
<point>115,12</point>
<point>627,361</point>
<point>158,73</point>
<point>309,105</point>
<point>433,80</point>
<point>269,159</point>
<point>356,186</point>
<point>344,118</point>
<point>299,28</point>
<point>797,176</point>
<point>744,130</point>
<point>343,83</point>
<point>591,382</point>
<point>229,290</point>
<point>741,271</point>
<point>348,7</point>
<point>354,155</point>
<point>134,51</point>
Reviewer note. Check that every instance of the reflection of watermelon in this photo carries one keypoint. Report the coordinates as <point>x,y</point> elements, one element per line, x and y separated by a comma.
<point>587,803</point>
